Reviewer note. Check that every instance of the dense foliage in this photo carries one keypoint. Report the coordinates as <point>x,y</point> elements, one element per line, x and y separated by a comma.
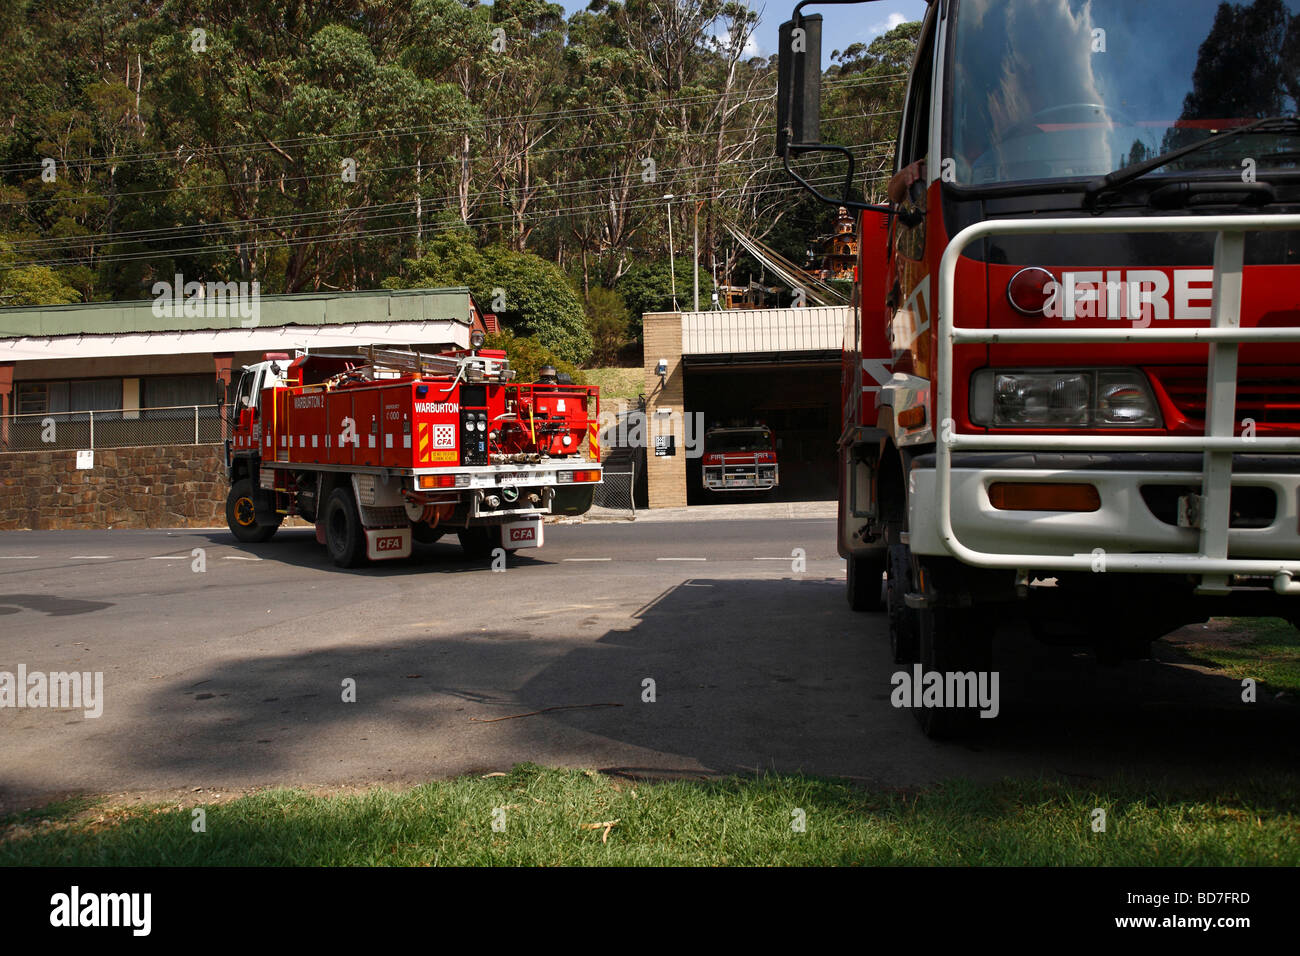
<point>351,144</point>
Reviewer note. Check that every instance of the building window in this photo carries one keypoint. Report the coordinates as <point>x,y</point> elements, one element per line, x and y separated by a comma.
<point>33,398</point>
<point>60,398</point>
<point>166,392</point>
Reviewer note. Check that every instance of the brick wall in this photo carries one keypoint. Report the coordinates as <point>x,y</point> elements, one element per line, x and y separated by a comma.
<point>169,486</point>
<point>666,475</point>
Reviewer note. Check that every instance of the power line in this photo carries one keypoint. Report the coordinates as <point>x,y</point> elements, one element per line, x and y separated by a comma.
<point>393,232</point>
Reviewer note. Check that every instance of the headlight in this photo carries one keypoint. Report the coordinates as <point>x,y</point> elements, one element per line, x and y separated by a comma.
<point>1067,398</point>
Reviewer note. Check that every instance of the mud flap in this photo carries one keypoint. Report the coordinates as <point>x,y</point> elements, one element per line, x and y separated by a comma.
<point>522,534</point>
<point>385,543</point>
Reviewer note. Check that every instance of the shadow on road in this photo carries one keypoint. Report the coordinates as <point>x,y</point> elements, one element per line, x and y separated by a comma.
<point>298,547</point>
<point>748,676</point>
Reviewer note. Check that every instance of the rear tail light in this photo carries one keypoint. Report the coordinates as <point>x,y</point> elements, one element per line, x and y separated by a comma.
<point>566,477</point>
<point>443,481</point>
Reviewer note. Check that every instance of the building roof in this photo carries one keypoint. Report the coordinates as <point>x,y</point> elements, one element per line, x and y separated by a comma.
<point>279,322</point>
<point>315,309</point>
<point>735,331</point>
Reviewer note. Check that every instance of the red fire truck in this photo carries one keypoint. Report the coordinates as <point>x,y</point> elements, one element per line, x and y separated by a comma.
<point>1072,383</point>
<point>741,458</point>
<point>384,446</point>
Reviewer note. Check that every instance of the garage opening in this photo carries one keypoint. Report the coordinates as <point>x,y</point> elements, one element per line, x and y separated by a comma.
<point>798,401</point>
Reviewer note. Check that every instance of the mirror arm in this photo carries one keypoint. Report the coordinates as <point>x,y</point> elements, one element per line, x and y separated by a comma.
<point>848,178</point>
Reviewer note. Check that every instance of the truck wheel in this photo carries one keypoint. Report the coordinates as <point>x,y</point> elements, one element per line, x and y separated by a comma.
<point>902,619</point>
<point>953,639</point>
<point>345,539</point>
<point>865,590</point>
<point>422,533</point>
<point>479,541</point>
<point>241,514</point>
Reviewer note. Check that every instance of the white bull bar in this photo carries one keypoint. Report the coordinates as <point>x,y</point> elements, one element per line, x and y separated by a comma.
<point>1217,444</point>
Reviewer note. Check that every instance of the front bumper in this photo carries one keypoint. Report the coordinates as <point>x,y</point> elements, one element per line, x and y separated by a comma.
<point>1134,488</point>
<point>740,477</point>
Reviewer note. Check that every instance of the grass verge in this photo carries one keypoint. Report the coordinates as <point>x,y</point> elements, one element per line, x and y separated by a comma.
<point>615,384</point>
<point>1265,648</point>
<point>568,817</point>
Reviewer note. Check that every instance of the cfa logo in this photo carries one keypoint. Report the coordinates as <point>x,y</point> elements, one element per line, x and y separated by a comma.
<point>389,544</point>
<point>523,534</point>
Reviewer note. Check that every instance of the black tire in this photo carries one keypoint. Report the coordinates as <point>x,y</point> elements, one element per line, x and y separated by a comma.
<point>480,541</point>
<point>865,588</point>
<point>902,619</point>
<point>424,534</point>
<point>345,539</point>
<point>241,514</point>
<point>952,639</point>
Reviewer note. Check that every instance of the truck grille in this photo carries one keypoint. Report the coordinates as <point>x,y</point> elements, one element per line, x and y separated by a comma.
<point>1270,396</point>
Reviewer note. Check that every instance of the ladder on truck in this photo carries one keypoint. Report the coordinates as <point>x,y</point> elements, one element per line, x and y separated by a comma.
<point>470,368</point>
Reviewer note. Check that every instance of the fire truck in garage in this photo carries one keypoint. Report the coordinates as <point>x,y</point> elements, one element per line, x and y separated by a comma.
<point>740,459</point>
<point>1072,383</point>
<point>380,448</point>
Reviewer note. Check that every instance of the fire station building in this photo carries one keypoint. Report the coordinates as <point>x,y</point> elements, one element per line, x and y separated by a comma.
<point>776,367</point>
<point>130,363</point>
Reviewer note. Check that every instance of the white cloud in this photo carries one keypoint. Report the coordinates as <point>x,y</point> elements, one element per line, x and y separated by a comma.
<point>893,20</point>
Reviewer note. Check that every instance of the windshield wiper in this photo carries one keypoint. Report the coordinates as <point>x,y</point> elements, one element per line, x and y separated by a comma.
<point>1126,174</point>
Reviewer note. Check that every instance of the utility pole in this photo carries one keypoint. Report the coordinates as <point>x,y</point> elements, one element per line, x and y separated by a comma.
<point>696,253</point>
<point>672,266</point>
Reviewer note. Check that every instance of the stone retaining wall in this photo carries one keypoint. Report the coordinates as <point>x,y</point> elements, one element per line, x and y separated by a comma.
<point>166,486</point>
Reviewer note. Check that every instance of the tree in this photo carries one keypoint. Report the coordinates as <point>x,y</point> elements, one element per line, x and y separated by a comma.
<point>648,288</point>
<point>31,285</point>
<point>609,322</point>
<point>530,296</point>
<point>527,356</point>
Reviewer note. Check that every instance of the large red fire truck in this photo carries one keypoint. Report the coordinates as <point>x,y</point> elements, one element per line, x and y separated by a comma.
<point>380,447</point>
<point>1072,382</point>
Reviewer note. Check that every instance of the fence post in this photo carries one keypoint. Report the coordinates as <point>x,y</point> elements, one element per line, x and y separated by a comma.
<point>196,424</point>
<point>92,428</point>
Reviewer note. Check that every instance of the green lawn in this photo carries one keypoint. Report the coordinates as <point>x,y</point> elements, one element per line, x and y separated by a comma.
<point>559,818</point>
<point>615,384</point>
<point>1265,648</point>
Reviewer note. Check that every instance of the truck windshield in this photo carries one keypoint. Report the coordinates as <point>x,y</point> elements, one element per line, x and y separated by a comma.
<point>1068,89</point>
<point>745,440</point>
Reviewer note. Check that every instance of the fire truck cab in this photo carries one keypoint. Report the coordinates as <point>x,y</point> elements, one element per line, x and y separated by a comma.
<point>1071,383</point>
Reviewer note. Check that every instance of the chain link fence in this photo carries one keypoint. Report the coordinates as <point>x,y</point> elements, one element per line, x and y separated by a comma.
<point>615,496</point>
<point>121,428</point>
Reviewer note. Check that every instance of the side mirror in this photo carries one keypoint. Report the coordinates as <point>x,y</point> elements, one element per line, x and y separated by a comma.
<point>799,102</point>
<point>799,82</point>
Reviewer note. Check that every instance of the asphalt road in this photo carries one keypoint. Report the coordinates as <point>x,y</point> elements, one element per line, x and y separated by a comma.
<point>232,677</point>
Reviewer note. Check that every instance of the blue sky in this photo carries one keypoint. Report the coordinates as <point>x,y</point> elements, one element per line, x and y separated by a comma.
<point>858,23</point>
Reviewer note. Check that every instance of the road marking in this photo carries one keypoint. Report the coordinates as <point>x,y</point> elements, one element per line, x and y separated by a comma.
<point>681,559</point>
<point>588,559</point>
<point>168,557</point>
<point>90,557</point>
<point>235,557</point>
